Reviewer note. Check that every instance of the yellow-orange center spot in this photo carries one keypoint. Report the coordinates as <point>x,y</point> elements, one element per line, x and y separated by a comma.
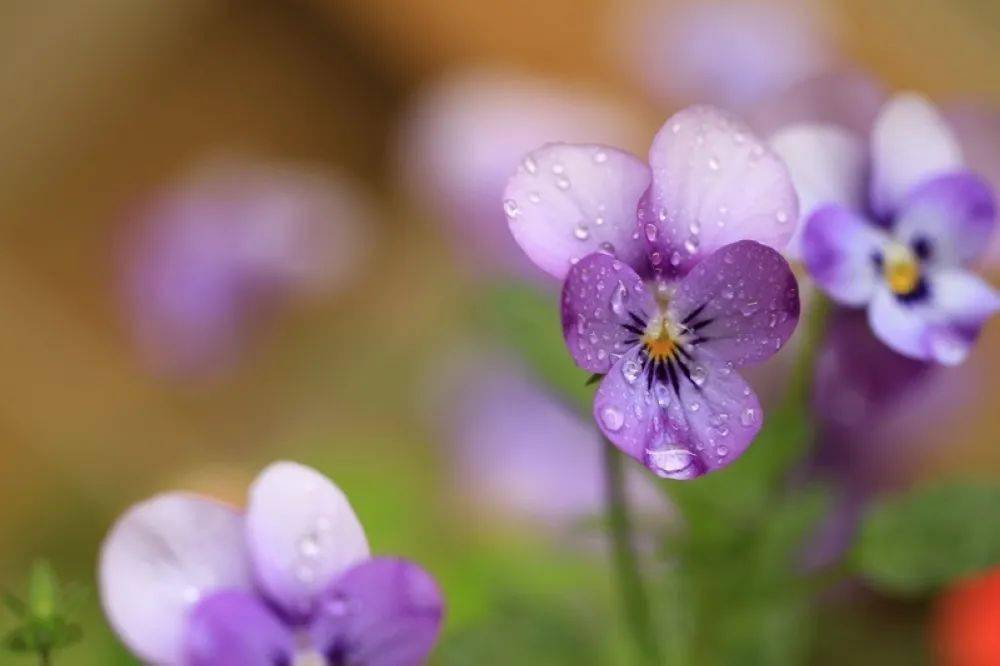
<point>901,270</point>
<point>661,348</point>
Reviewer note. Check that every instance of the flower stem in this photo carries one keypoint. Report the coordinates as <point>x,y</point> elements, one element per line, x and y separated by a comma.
<point>629,580</point>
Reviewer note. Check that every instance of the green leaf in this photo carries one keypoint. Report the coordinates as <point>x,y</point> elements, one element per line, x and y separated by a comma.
<point>13,604</point>
<point>42,590</point>
<point>917,542</point>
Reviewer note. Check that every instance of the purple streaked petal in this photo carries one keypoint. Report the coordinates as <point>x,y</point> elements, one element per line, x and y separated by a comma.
<point>599,298</point>
<point>235,628</point>
<point>910,143</point>
<point>954,214</point>
<point>944,328</point>
<point>708,425</point>
<point>837,247</point>
<point>827,164</point>
<point>381,612</point>
<point>744,301</point>
<point>568,200</point>
<point>159,559</point>
<point>714,183</point>
<point>302,533</point>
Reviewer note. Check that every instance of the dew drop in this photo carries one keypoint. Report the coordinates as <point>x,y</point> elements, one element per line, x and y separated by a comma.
<point>669,462</point>
<point>562,183</point>
<point>534,197</point>
<point>613,418</point>
<point>748,416</point>
<point>651,232</point>
<point>530,165</point>
<point>600,157</point>
<point>631,370</point>
<point>581,232</point>
<point>511,208</point>
<point>619,299</point>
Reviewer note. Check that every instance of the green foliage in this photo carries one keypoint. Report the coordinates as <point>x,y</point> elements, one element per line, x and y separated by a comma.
<point>525,631</point>
<point>43,624</point>
<point>914,543</point>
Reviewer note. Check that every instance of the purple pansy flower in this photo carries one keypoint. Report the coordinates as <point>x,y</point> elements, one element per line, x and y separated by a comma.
<point>190,581</point>
<point>672,280</point>
<point>892,230</point>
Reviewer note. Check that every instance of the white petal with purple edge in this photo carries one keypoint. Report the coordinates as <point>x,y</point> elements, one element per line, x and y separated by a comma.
<point>569,200</point>
<point>715,183</point>
<point>599,298</point>
<point>838,248</point>
<point>941,329</point>
<point>161,558</point>
<point>302,533</point>
<point>827,165</point>
<point>910,143</point>
<point>951,215</point>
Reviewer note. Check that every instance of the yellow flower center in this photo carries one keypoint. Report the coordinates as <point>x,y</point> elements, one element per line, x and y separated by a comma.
<point>660,343</point>
<point>901,269</point>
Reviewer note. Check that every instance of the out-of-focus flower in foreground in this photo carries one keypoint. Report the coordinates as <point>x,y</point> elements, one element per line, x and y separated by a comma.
<point>212,254</point>
<point>898,244</point>
<point>966,620</point>
<point>464,136</point>
<point>732,54</point>
<point>701,222</point>
<point>187,580</point>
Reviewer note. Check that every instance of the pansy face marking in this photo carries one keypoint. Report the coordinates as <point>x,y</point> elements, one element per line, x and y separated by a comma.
<point>672,282</point>
<point>895,236</point>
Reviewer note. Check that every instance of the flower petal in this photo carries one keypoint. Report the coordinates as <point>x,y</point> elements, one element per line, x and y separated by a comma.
<point>235,628</point>
<point>954,214</point>
<point>568,200</point>
<point>827,165</point>
<point>598,298</point>
<point>302,533</point>
<point>837,247</point>
<point>744,301</point>
<point>703,425</point>
<point>910,143</point>
<point>159,559</point>
<point>942,329</point>
<point>715,183</point>
<point>382,612</point>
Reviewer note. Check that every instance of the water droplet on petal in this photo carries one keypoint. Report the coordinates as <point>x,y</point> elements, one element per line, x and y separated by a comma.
<point>600,157</point>
<point>581,232</point>
<point>748,416</point>
<point>613,418</point>
<point>669,461</point>
<point>530,165</point>
<point>619,299</point>
<point>511,208</point>
<point>562,183</point>
<point>631,370</point>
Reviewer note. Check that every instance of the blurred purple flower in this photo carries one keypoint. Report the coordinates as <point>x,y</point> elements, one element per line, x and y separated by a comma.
<point>892,231</point>
<point>977,128</point>
<point>212,253</point>
<point>603,220</point>
<point>524,453</point>
<point>725,53</point>
<point>873,409</point>
<point>464,136</point>
<point>188,580</point>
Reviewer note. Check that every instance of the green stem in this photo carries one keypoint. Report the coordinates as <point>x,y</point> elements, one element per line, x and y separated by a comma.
<point>634,602</point>
<point>44,658</point>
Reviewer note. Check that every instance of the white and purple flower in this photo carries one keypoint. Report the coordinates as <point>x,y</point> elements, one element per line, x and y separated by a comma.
<point>190,581</point>
<point>893,228</point>
<point>672,280</point>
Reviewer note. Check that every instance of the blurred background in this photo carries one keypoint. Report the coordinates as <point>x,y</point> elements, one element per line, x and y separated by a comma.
<point>238,231</point>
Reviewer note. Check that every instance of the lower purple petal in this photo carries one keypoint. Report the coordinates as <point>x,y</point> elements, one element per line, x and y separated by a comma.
<point>600,297</point>
<point>942,329</point>
<point>234,628</point>
<point>382,612</point>
<point>837,247</point>
<point>704,424</point>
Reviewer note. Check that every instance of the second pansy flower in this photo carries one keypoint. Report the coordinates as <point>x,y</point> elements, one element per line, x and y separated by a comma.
<point>672,280</point>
